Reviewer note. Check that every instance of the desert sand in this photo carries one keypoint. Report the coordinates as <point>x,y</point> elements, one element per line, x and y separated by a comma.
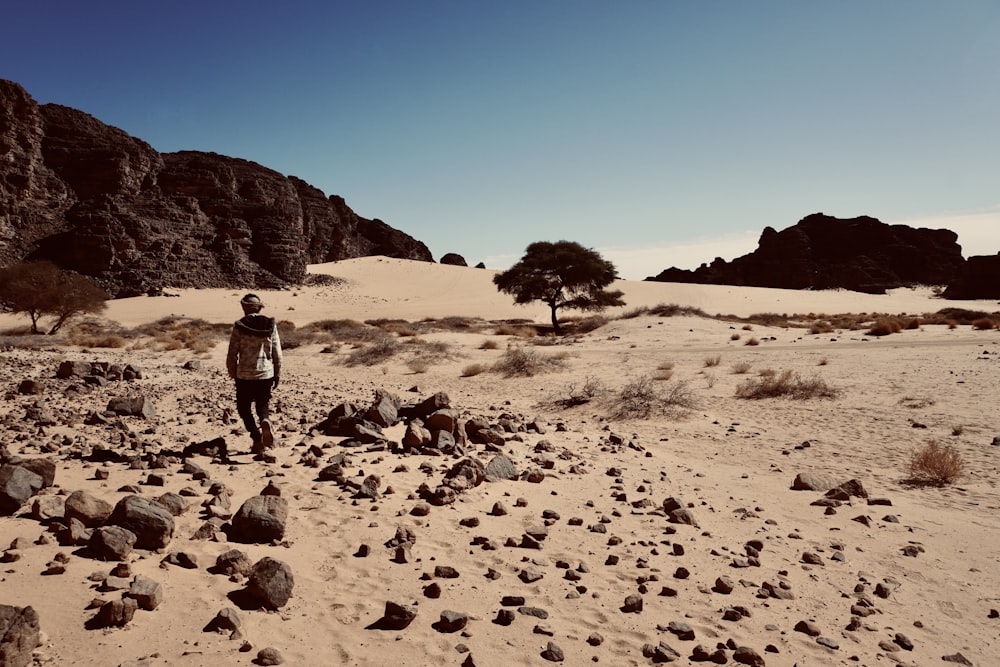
<point>907,576</point>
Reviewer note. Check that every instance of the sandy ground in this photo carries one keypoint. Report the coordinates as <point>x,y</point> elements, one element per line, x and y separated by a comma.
<point>597,502</point>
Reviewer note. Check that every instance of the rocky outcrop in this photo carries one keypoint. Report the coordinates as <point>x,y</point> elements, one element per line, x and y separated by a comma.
<point>95,200</point>
<point>823,252</point>
<point>979,279</point>
<point>453,258</point>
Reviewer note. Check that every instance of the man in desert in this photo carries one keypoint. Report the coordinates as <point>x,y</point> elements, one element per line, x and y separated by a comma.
<point>254,362</point>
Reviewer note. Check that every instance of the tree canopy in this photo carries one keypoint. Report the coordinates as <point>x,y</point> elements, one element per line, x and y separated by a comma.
<point>563,274</point>
<point>42,289</point>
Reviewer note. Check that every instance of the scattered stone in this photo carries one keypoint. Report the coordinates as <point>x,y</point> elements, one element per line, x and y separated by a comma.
<point>269,656</point>
<point>152,524</point>
<point>261,519</point>
<point>451,621</point>
<point>227,621</point>
<point>553,653</point>
<point>111,543</point>
<point>19,635</point>
<point>270,583</point>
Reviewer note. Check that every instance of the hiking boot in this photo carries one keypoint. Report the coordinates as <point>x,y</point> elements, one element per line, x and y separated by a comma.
<point>266,435</point>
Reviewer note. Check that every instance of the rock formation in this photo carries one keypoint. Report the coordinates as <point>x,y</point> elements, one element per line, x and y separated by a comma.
<point>95,200</point>
<point>823,252</point>
<point>979,279</point>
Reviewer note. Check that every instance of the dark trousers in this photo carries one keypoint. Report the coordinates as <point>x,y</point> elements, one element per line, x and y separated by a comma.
<point>253,396</point>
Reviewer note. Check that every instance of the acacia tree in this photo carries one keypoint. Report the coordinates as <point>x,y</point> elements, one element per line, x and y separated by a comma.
<point>42,289</point>
<point>563,274</point>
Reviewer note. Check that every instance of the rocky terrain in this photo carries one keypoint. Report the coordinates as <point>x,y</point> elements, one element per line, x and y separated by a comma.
<point>859,254</point>
<point>418,510</point>
<point>95,200</point>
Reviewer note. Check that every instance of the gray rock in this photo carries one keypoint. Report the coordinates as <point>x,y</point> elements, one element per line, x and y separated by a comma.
<point>147,593</point>
<point>47,508</point>
<point>90,510</point>
<point>233,562</point>
<point>747,656</point>
<point>661,652</point>
<point>111,543</point>
<point>260,519</point>
<point>19,635</point>
<point>152,524</point>
<point>500,468</point>
<point>17,485</point>
<point>270,583</point>
<point>132,406</point>
<point>227,621</point>
<point>553,653</point>
<point>269,656</point>
<point>810,481</point>
<point>397,616</point>
<point>114,614</point>
<point>452,621</point>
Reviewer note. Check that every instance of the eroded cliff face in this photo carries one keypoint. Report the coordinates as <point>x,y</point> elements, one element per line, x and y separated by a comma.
<point>823,252</point>
<point>93,199</point>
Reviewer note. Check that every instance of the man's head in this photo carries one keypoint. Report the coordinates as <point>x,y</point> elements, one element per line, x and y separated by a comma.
<point>251,304</point>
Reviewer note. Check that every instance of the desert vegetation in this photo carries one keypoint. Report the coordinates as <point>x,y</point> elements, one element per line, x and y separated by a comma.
<point>935,464</point>
<point>787,383</point>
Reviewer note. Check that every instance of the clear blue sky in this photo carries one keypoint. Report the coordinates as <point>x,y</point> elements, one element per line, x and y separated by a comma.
<point>658,132</point>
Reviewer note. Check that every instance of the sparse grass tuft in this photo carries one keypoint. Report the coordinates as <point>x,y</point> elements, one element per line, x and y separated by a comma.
<point>418,365</point>
<point>741,367</point>
<point>935,465</point>
<point>820,327</point>
<point>752,341</point>
<point>473,369</point>
<point>735,336</point>
<point>712,362</point>
<point>489,345</point>
<point>573,395</point>
<point>788,383</point>
<point>373,353</point>
<point>984,324</point>
<point>673,310</point>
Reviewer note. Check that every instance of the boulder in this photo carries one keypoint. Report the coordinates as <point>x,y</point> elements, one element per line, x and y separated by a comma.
<point>19,635</point>
<point>87,508</point>
<point>270,583</point>
<point>261,519</point>
<point>111,543</point>
<point>132,406</point>
<point>17,485</point>
<point>152,524</point>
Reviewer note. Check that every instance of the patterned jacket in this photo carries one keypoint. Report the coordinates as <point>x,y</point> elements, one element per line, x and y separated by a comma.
<point>254,349</point>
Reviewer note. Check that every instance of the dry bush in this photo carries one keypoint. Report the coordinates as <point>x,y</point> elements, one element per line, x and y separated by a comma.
<point>664,371</point>
<point>913,323</point>
<point>418,365</point>
<point>984,324</point>
<point>957,430</point>
<point>885,326</point>
<point>711,362</point>
<point>374,352</point>
<point>709,380</point>
<point>769,320</point>
<point>952,324</point>
<point>519,362</point>
<point>957,315</point>
<point>176,333</point>
<point>767,372</point>
<point>935,464</point>
<point>641,399</point>
<point>109,341</point>
<point>752,341</point>
<point>788,383</point>
<point>634,313</point>
<point>588,324</point>
<point>747,327</point>
<point>345,331</point>
<point>488,345</point>
<point>821,327</point>
<point>916,402</point>
<point>473,369</point>
<point>741,367</point>
<point>823,361</point>
<point>673,310</point>
<point>573,395</point>
<point>518,330</point>
<point>735,336</point>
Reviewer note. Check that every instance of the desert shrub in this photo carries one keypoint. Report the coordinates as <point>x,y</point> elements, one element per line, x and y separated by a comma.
<point>574,394</point>
<point>952,324</point>
<point>374,352</point>
<point>347,331</point>
<point>176,333</point>
<point>913,323</point>
<point>641,399</point>
<point>418,365</point>
<point>674,310</point>
<point>823,361</point>
<point>767,373</point>
<point>788,383</point>
<point>820,327</point>
<point>709,380</point>
<point>519,330</point>
<point>916,402</point>
<point>322,280</point>
<point>664,371</point>
<point>962,315</point>
<point>748,327</point>
<point>957,430</point>
<point>741,367</point>
<point>488,345</point>
<point>984,324</point>
<point>473,369</point>
<point>109,341</point>
<point>735,336</point>
<point>588,324</point>
<point>769,319</point>
<point>711,362</point>
<point>42,289</point>
<point>884,326</point>
<point>935,464</point>
<point>633,313</point>
<point>752,341</point>
<point>519,362</point>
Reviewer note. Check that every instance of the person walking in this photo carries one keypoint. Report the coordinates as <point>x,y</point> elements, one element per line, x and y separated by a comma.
<point>254,362</point>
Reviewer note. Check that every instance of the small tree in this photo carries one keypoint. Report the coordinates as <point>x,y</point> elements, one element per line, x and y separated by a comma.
<point>563,275</point>
<point>42,289</point>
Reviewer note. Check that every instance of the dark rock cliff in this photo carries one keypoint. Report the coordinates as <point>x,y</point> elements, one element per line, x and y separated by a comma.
<point>93,199</point>
<point>823,252</point>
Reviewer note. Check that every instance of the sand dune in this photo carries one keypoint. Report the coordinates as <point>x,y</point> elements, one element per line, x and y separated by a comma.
<point>905,582</point>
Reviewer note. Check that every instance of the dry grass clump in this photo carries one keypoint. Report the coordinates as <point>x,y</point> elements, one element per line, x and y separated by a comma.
<point>588,324</point>
<point>641,399</point>
<point>741,367</point>
<point>418,365</point>
<point>735,336</point>
<point>711,362</point>
<point>634,313</point>
<point>401,328</point>
<point>958,316</point>
<point>520,362</point>
<point>474,369</point>
<point>517,329</point>
<point>108,341</point>
<point>673,310</point>
<point>935,465</point>
<point>787,383</point>
<point>345,331</point>
<point>664,371</point>
<point>374,352</point>
<point>821,327</point>
<point>916,402</point>
<point>180,333</point>
<point>885,326</point>
<point>489,345</point>
<point>984,324</point>
<point>573,394</point>
<point>752,341</point>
